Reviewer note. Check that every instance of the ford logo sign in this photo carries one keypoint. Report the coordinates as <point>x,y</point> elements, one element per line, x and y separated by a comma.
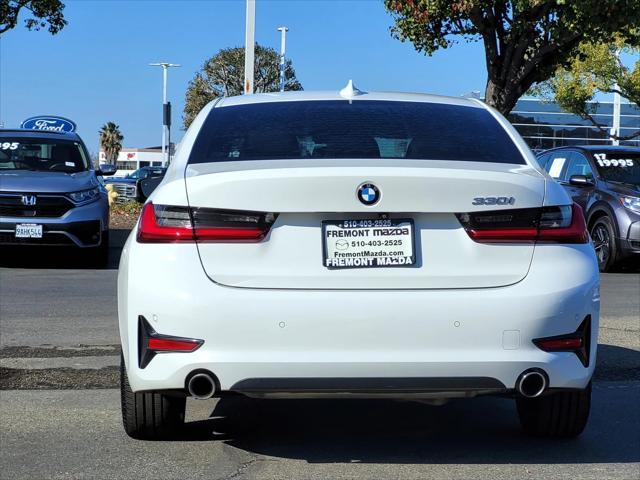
<point>50,123</point>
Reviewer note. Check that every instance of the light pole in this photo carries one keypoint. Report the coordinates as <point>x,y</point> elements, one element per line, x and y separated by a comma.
<point>166,109</point>
<point>283,43</point>
<point>615,128</point>
<point>249,46</point>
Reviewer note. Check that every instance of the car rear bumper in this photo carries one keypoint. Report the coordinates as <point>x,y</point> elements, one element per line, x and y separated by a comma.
<point>262,336</point>
<point>80,226</point>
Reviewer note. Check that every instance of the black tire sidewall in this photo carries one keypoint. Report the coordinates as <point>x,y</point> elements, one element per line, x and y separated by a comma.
<point>163,421</point>
<point>613,247</point>
<point>561,414</point>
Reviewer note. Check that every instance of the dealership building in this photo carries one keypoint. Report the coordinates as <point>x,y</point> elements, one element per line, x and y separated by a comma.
<point>544,125</point>
<point>131,159</point>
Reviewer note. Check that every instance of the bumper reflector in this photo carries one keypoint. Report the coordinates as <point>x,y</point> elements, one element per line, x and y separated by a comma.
<point>560,344</point>
<point>170,345</point>
<point>150,343</point>
<point>578,342</point>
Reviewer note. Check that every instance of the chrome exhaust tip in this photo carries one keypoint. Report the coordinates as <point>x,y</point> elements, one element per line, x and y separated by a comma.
<point>531,383</point>
<point>201,386</point>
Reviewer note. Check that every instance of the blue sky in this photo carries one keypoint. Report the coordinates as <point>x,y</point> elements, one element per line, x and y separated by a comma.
<point>96,70</point>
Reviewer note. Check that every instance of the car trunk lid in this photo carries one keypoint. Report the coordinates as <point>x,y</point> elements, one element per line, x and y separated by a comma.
<point>429,194</point>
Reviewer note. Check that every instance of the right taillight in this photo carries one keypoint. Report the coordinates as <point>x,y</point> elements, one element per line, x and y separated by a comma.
<point>170,224</point>
<point>557,224</point>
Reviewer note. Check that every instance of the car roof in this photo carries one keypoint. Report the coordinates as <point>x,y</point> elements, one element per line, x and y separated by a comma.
<point>595,148</point>
<point>612,148</point>
<point>306,96</point>
<point>25,133</point>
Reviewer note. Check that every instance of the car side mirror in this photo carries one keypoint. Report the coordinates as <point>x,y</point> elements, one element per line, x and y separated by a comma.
<point>581,181</point>
<point>106,169</point>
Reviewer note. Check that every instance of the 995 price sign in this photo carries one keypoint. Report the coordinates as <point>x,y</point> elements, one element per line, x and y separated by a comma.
<point>603,161</point>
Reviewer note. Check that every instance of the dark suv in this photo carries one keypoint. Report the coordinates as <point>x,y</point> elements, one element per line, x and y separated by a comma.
<point>129,188</point>
<point>605,182</point>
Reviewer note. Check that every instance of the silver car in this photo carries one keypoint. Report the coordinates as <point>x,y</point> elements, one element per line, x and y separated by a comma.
<point>50,194</point>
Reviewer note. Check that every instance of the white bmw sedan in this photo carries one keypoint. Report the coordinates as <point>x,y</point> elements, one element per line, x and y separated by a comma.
<point>363,245</point>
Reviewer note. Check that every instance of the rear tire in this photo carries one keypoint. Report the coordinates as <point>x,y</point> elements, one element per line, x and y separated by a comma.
<point>555,415</point>
<point>603,235</point>
<point>150,415</point>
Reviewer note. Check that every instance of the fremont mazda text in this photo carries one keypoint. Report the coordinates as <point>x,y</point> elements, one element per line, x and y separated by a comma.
<point>360,245</point>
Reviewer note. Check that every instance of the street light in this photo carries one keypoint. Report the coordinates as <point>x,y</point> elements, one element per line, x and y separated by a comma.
<point>615,127</point>
<point>166,110</point>
<point>249,46</point>
<point>283,42</point>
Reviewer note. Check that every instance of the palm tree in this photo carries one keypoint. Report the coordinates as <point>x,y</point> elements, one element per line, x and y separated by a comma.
<point>111,141</point>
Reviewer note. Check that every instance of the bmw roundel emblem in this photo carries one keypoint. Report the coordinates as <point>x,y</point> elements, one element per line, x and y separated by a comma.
<point>368,194</point>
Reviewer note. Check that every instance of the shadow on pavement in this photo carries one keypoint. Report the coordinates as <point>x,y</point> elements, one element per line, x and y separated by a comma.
<point>479,431</point>
<point>62,257</point>
<point>617,363</point>
<point>628,266</point>
<point>482,430</point>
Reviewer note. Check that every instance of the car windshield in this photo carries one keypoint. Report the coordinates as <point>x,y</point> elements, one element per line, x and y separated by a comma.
<point>41,154</point>
<point>619,166</point>
<point>341,129</point>
<point>145,173</point>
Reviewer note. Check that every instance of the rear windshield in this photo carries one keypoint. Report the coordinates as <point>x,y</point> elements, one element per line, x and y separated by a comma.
<point>41,154</point>
<point>359,129</point>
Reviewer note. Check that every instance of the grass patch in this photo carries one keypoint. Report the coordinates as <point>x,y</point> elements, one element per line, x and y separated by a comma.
<point>128,208</point>
<point>124,215</point>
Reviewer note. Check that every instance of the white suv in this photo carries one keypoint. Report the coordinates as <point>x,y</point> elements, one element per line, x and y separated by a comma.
<point>357,244</point>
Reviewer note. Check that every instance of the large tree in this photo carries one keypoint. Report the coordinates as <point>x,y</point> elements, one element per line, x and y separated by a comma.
<point>597,68</point>
<point>525,41</point>
<point>223,76</point>
<point>111,141</point>
<point>39,14</point>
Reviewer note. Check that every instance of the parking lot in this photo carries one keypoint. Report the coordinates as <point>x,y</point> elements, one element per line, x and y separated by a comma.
<point>60,412</point>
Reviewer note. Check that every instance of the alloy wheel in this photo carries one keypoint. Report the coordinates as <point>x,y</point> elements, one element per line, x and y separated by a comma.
<point>601,243</point>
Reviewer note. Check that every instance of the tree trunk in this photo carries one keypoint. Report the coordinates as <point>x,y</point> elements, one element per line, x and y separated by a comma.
<point>500,97</point>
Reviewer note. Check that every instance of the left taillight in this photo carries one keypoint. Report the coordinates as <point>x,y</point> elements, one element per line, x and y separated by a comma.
<point>171,224</point>
<point>556,224</point>
<point>165,224</point>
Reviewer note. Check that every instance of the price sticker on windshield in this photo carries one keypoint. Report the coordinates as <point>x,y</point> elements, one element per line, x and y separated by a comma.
<point>603,161</point>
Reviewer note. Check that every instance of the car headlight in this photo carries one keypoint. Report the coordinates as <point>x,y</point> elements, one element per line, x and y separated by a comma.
<point>85,196</point>
<point>632,203</point>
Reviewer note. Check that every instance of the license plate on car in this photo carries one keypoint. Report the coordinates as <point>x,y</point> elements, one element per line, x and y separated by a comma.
<point>368,243</point>
<point>28,230</point>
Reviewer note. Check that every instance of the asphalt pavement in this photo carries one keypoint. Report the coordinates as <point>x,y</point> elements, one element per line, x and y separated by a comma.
<point>60,412</point>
